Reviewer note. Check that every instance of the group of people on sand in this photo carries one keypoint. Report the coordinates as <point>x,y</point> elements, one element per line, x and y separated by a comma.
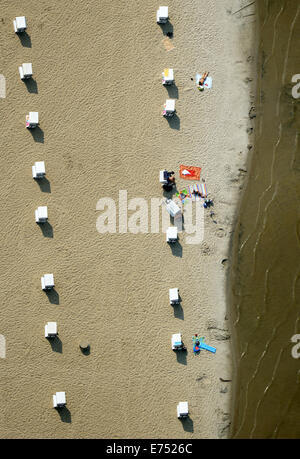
<point>171,175</point>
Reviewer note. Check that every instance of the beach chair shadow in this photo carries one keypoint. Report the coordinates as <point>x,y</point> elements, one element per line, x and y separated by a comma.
<point>178,222</point>
<point>46,229</point>
<point>187,424</point>
<point>167,29</point>
<point>31,85</point>
<point>172,91</point>
<point>178,310</point>
<point>53,296</point>
<point>176,249</point>
<point>56,344</point>
<point>86,351</point>
<point>24,39</point>
<point>65,415</point>
<point>37,134</point>
<point>181,357</point>
<point>169,192</point>
<point>44,185</point>
<point>174,122</point>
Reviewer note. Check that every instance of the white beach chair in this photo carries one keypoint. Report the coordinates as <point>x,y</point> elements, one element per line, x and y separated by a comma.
<point>32,120</point>
<point>59,400</point>
<point>162,15</point>
<point>168,77</point>
<point>25,71</point>
<point>47,281</point>
<point>51,330</point>
<point>182,410</point>
<point>172,208</point>
<point>38,170</point>
<point>20,24</point>
<point>172,234</point>
<point>41,214</point>
<point>163,177</point>
<point>174,296</point>
<point>177,343</point>
<point>169,107</point>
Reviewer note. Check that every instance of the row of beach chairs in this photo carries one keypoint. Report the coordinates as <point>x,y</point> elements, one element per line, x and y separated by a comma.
<point>41,213</point>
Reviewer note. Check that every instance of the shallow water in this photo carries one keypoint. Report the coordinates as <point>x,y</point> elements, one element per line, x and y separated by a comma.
<point>265,279</point>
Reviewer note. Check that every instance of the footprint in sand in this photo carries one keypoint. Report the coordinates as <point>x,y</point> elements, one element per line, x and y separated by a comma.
<point>205,249</point>
<point>221,232</point>
<point>204,381</point>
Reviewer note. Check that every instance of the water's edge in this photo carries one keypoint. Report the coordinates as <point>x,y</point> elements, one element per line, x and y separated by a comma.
<point>264,271</point>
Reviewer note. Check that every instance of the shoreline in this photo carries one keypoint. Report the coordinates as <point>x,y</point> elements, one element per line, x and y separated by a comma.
<point>252,114</point>
<point>266,242</point>
<point>100,131</point>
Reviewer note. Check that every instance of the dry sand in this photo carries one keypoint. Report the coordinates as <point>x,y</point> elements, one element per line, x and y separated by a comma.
<point>97,69</point>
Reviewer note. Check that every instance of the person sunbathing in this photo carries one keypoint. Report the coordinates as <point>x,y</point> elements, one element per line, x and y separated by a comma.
<point>198,193</point>
<point>171,177</point>
<point>202,81</point>
<point>170,181</point>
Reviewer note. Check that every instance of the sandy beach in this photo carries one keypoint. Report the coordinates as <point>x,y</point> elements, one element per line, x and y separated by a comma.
<point>97,87</point>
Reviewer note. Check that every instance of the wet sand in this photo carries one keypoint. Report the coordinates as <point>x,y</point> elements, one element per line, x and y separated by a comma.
<point>97,88</point>
<point>265,275</point>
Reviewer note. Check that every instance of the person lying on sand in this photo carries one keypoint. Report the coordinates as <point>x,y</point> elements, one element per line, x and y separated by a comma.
<point>198,193</point>
<point>202,81</point>
<point>170,181</point>
<point>171,178</point>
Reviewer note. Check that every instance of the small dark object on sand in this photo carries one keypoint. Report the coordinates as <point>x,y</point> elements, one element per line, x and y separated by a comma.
<point>170,34</point>
<point>84,345</point>
<point>208,203</point>
<point>225,380</point>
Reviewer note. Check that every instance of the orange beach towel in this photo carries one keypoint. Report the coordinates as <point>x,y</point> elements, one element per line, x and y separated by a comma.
<point>190,172</point>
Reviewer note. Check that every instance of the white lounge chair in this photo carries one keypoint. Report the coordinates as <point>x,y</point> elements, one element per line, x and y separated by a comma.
<point>162,15</point>
<point>168,77</point>
<point>59,400</point>
<point>172,208</point>
<point>38,170</point>
<point>177,344</point>
<point>174,296</point>
<point>169,107</point>
<point>51,330</point>
<point>32,120</point>
<point>20,24</point>
<point>172,234</point>
<point>41,214</point>
<point>25,71</point>
<point>182,410</point>
<point>47,281</point>
<point>163,177</point>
